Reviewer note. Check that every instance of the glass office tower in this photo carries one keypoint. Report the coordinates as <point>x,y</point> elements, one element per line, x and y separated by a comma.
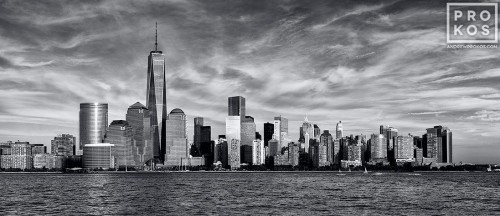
<point>93,123</point>
<point>156,100</point>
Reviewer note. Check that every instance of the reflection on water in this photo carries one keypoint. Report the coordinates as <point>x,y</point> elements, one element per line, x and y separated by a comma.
<point>250,193</point>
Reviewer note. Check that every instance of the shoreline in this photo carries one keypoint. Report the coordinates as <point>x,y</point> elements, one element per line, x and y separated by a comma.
<point>327,171</point>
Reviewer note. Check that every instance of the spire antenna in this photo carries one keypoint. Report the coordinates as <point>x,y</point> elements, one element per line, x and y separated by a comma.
<point>156,37</point>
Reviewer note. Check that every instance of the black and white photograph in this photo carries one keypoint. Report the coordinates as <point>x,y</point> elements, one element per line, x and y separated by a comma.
<point>249,107</point>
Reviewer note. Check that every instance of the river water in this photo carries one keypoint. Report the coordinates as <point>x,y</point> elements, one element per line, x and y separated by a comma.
<point>209,193</point>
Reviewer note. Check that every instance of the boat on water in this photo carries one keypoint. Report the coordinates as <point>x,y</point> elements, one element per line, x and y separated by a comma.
<point>366,171</point>
<point>377,173</point>
<point>414,174</point>
<point>488,169</point>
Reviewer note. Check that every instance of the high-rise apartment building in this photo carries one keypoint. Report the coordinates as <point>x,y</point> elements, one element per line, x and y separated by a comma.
<point>326,139</point>
<point>403,148</point>
<point>17,156</point>
<point>38,149</point>
<point>258,156</point>
<point>354,153</point>
<point>93,123</point>
<point>378,147</point>
<point>63,144</point>
<point>234,154</point>
<point>432,143</point>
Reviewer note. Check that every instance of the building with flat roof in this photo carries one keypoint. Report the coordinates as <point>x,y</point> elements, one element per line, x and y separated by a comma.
<point>63,144</point>
<point>98,155</point>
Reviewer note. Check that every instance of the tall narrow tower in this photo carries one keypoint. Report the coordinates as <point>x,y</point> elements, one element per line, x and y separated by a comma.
<point>339,132</point>
<point>156,98</point>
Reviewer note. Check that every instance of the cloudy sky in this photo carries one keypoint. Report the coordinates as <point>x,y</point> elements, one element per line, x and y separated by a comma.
<point>365,63</point>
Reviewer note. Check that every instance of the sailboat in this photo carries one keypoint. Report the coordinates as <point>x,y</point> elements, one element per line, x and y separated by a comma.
<point>366,171</point>
<point>488,169</point>
<point>349,169</point>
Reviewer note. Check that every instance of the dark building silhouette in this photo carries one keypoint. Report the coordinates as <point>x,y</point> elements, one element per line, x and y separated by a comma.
<point>268,132</point>
<point>236,106</point>
<point>444,144</point>
<point>258,136</point>
<point>317,131</point>
<point>202,139</point>
<point>417,141</point>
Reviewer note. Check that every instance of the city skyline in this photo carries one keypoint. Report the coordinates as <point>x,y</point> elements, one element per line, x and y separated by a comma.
<point>298,63</point>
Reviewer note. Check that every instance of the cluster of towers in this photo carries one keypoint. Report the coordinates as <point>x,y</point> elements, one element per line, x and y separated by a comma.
<point>150,135</point>
<point>147,136</point>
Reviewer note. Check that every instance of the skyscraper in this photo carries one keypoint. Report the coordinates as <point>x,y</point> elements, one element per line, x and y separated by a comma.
<point>93,123</point>
<point>326,140</point>
<point>176,148</point>
<point>274,148</point>
<point>221,151</point>
<point>205,141</point>
<point>236,106</point>
<point>317,132</point>
<point>383,129</point>
<point>236,114</point>
<point>432,143</point>
<point>139,119</point>
<point>444,146</point>
<point>198,123</point>
<point>403,148</point>
<point>378,147</point>
<point>63,144</point>
<point>268,133</point>
<point>281,130</point>
<point>339,130</point>
<point>336,151</point>
<point>247,138</point>
<point>120,134</point>
<point>258,156</point>
<point>306,133</point>
<point>156,99</point>
<point>390,134</point>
